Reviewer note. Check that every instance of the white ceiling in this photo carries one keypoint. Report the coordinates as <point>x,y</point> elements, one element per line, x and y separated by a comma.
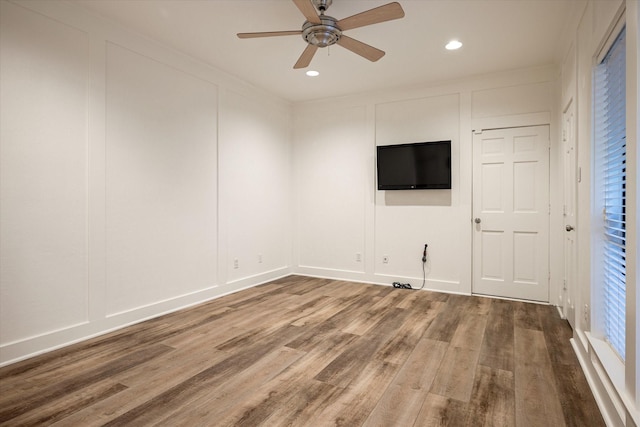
<point>497,35</point>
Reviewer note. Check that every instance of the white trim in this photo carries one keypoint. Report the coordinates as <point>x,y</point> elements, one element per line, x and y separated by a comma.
<point>612,35</point>
<point>601,397</point>
<point>262,277</point>
<point>435,285</point>
<point>373,282</point>
<point>162,302</point>
<point>512,121</point>
<point>605,365</point>
<point>26,349</point>
<point>611,372</point>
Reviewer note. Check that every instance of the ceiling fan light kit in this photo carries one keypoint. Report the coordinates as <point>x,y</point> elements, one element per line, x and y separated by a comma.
<point>320,30</point>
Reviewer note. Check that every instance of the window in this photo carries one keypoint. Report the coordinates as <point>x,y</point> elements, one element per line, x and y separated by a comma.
<point>610,161</point>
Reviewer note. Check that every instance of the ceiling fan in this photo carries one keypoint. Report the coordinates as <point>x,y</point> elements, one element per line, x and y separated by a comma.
<point>320,30</point>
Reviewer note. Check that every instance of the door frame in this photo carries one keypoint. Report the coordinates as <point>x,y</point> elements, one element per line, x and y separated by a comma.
<point>508,122</point>
<point>567,297</point>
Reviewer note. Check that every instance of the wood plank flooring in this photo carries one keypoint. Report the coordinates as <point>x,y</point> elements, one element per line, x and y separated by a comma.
<point>302,351</point>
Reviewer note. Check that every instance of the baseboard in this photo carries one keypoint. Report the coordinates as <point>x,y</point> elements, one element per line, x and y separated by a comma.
<point>603,400</point>
<point>33,346</point>
<point>435,285</point>
<point>331,273</point>
<point>257,279</point>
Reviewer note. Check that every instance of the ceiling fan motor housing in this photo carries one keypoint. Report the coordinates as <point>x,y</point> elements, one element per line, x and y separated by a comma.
<point>322,35</point>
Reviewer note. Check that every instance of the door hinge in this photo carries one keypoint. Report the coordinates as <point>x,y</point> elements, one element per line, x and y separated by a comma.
<point>564,284</point>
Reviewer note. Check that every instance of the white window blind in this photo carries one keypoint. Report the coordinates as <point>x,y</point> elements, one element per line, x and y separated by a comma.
<point>610,161</point>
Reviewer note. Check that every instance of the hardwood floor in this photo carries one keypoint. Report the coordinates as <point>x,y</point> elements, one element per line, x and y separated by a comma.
<point>302,351</point>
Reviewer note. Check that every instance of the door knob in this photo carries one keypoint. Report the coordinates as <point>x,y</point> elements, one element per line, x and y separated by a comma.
<point>477,220</point>
<point>568,228</point>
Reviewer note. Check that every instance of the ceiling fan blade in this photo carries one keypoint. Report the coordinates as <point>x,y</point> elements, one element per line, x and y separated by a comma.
<point>384,13</point>
<point>362,49</point>
<point>268,34</point>
<point>308,10</point>
<point>305,58</point>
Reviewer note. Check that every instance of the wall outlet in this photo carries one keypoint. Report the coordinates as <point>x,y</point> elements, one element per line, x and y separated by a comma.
<point>358,257</point>
<point>259,258</point>
<point>236,263</point>
<point>385,259</point>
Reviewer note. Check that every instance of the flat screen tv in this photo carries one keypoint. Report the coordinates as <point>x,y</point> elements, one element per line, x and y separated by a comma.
<point>416,166</point>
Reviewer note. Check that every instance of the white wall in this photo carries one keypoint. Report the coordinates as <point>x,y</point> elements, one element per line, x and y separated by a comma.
<point>130,178</point>
<point>339,212</point>
<point>407,220</point>
<point>161,173</point>
<point>334,188</point>
<point>43,175</point>
<point>255,189</point>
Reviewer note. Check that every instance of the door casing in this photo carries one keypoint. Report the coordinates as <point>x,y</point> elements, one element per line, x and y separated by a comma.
<point>511,213</point>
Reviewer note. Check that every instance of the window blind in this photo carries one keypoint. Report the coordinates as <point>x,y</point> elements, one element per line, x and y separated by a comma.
<point>610,156</point>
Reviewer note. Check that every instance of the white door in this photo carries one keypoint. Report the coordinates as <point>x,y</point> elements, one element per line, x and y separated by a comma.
<point>567,298</point>
<point>511,213</point>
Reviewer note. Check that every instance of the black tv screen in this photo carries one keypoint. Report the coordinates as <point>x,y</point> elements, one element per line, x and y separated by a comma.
<point>417,166</point>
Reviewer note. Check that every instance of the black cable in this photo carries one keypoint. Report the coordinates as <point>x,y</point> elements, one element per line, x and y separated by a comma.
<point>424,274</point>
<point>424,261</point>
<point>399,285</point>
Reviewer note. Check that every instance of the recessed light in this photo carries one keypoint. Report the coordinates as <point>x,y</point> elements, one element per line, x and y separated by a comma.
<point>313,73</point>
<point>453,45</point>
